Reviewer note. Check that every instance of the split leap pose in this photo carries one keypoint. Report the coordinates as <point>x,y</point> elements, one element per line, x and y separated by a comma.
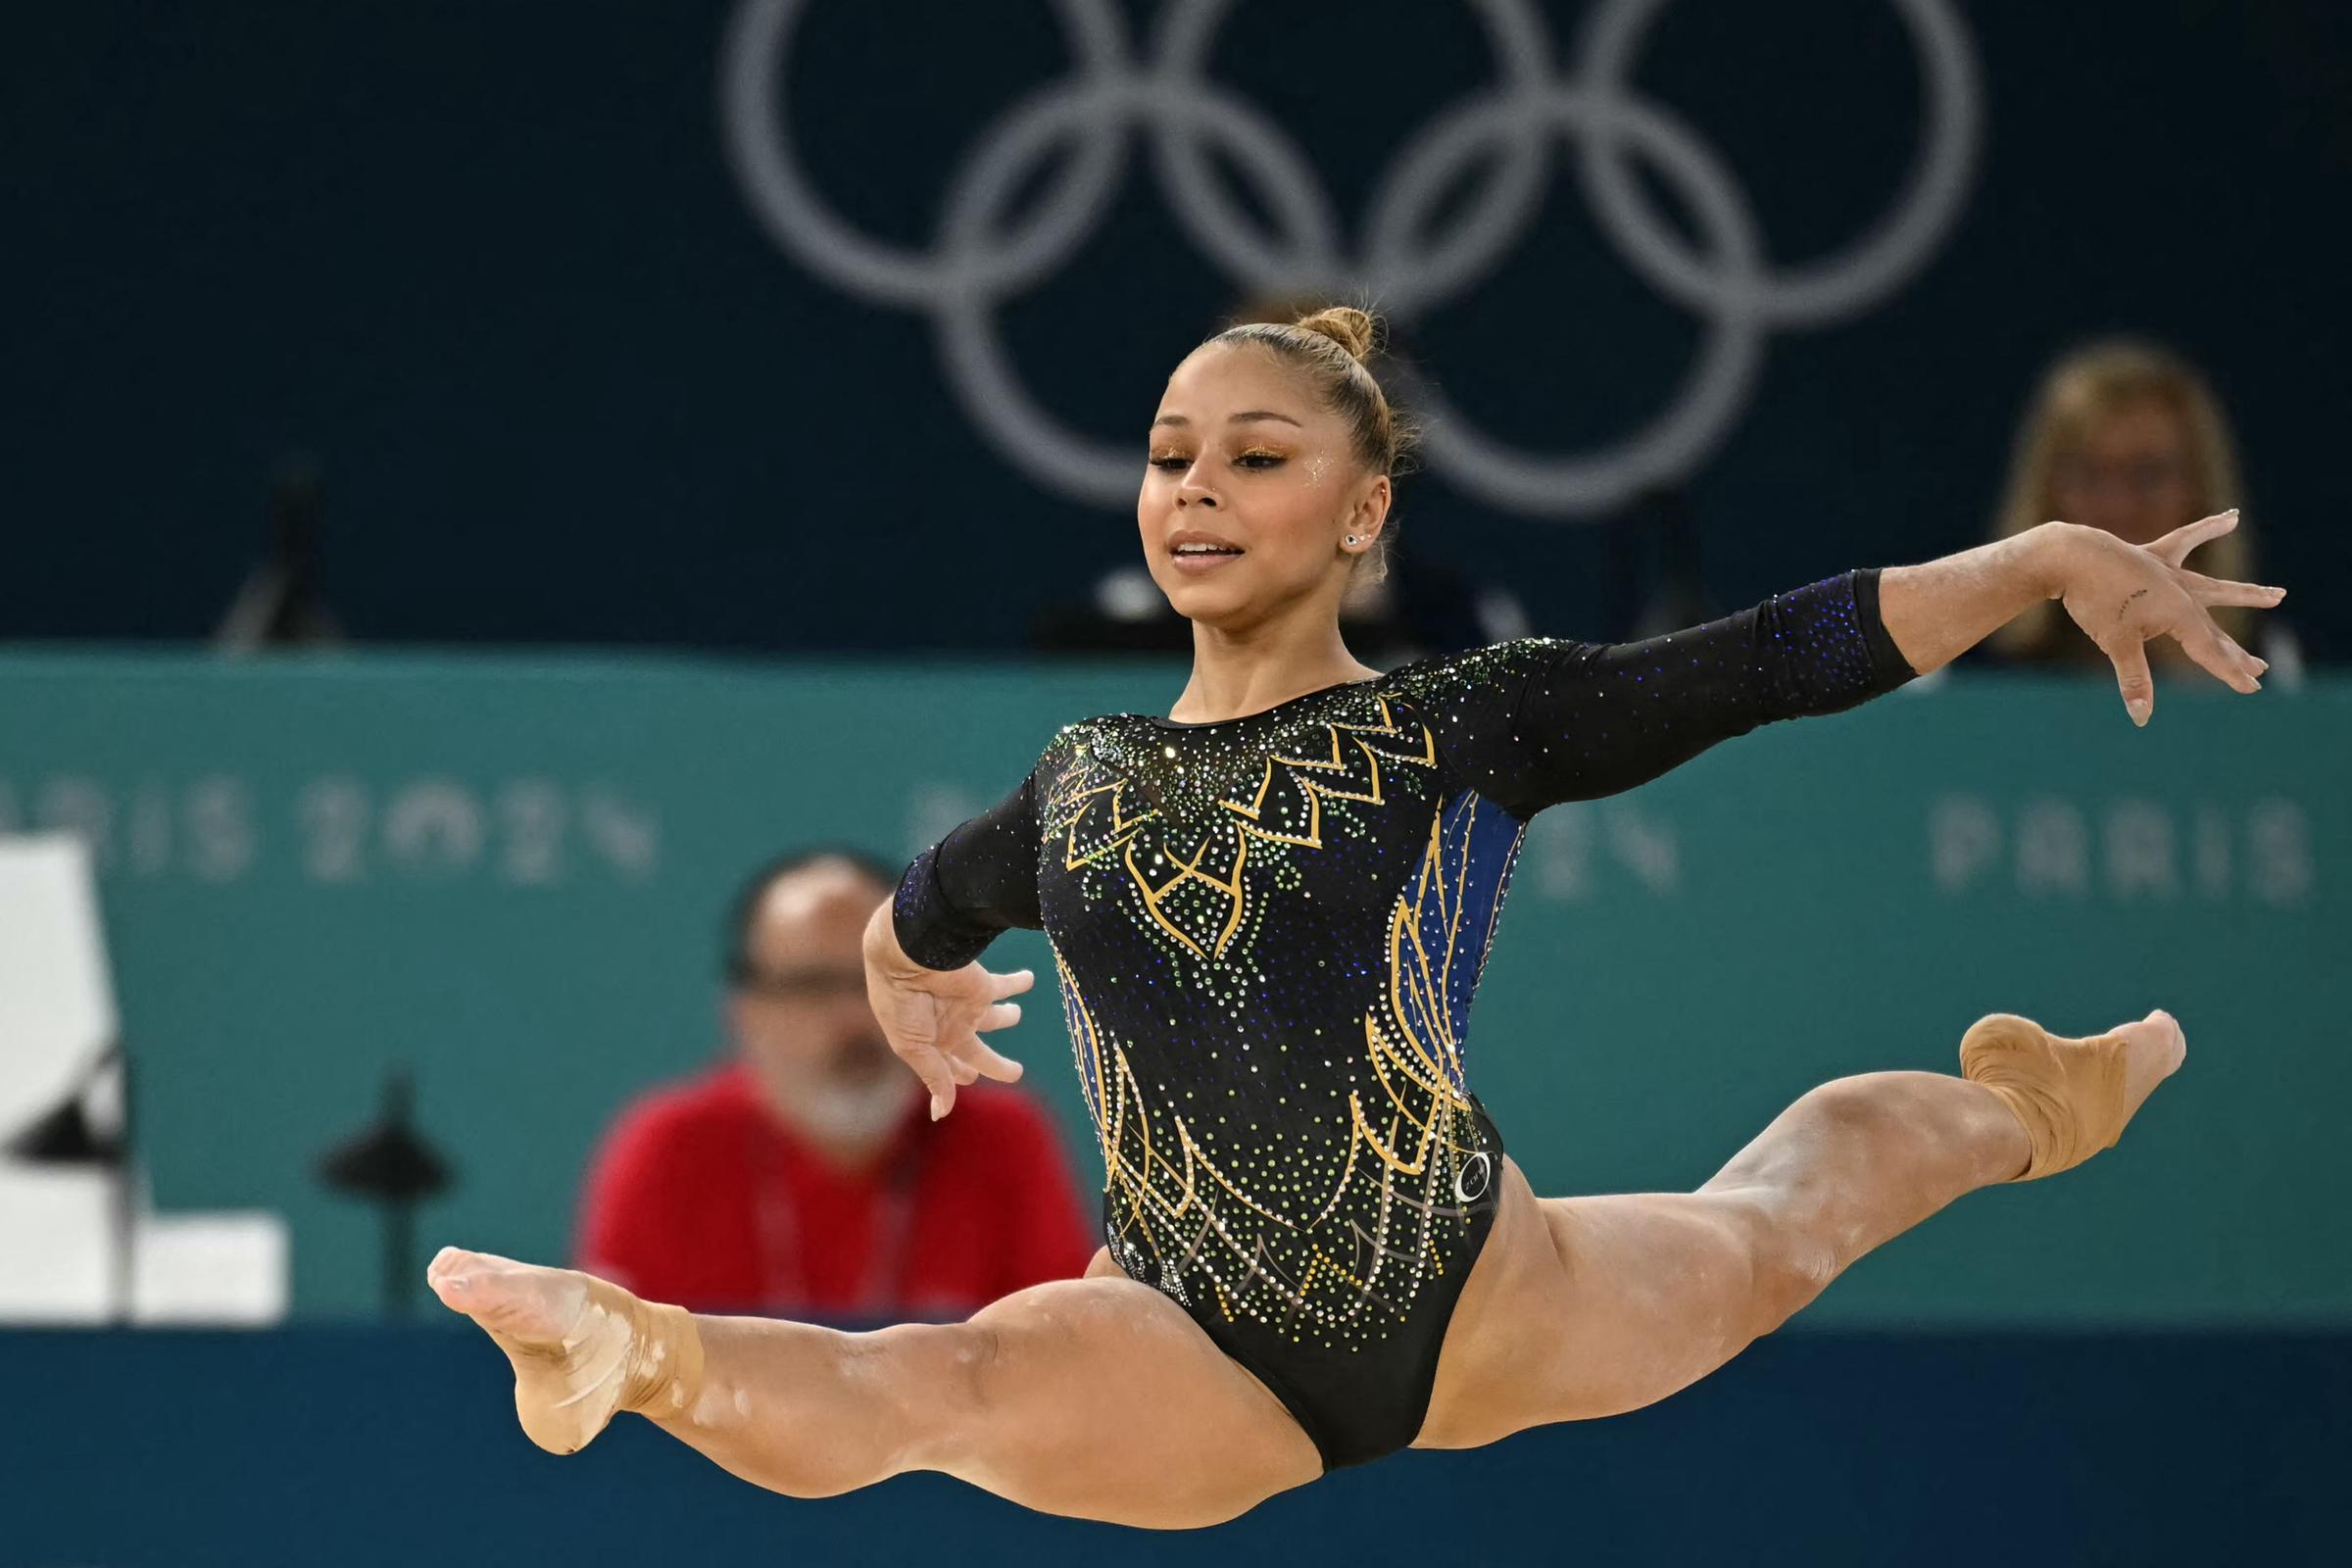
<point>1268,913</point>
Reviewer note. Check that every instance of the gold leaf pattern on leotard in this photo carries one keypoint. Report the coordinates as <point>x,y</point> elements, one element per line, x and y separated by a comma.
<point>1089,811</point>
<point>1417,1054</point>
<point>1109,826</point>
<point>1376,1192</point>
<point>1331,778</point>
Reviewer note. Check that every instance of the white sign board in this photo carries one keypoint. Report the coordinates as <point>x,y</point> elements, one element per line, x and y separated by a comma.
<point>57,999</point>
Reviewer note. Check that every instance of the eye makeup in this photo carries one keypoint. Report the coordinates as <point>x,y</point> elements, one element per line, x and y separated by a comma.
<point>1253,458</point>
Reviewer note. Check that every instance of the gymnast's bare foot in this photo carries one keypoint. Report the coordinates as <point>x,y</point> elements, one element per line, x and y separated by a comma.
<point>2072,1095</point>
<point>582,1347</point>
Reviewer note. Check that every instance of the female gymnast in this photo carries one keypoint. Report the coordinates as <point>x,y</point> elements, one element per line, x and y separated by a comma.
<point>1268,911</point>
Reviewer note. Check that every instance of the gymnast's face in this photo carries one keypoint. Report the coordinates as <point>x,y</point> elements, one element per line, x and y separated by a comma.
<point>1245,458</point>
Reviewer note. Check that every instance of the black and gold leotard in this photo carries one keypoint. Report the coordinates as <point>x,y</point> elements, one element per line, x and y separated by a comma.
<point>1268,932</point>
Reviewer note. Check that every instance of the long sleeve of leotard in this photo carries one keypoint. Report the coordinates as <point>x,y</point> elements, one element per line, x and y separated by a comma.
<point>979,880</point>
<point>1540,721</point>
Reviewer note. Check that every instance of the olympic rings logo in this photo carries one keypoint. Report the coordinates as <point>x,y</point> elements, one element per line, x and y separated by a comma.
<point>1726,279</point>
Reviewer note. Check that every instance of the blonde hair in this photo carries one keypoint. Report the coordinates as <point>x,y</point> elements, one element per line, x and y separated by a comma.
<point>2092,383</point>
<point>1333,345</point>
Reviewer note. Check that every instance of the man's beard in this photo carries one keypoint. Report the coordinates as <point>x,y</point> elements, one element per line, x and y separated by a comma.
<point>857,1109</point>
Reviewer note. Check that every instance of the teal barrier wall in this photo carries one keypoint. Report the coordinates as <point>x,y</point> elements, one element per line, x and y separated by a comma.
<point>508,872</point>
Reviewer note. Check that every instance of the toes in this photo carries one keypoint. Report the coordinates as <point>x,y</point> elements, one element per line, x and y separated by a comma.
<point>448,1274</point>
<point>496,1291</point>
<point>2175,1036</point>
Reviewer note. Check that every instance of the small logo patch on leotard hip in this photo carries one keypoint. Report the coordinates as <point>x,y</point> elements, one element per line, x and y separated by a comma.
<point>1472,1176</point>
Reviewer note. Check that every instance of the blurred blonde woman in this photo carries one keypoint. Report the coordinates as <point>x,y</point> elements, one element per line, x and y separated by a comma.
<point>2124,435</point>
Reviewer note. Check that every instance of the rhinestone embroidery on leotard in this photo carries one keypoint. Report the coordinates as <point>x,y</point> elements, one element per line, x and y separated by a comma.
<point>1268,932</point>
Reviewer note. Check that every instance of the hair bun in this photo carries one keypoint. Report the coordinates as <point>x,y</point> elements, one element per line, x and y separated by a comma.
<point>1344,324</point>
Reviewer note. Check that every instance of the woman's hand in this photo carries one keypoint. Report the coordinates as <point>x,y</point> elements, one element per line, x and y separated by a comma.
<point>933,1018</point>
<point>2122,595</point>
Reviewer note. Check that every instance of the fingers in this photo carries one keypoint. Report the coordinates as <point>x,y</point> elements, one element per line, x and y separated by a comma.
<point>2207,653</point>
<point>978,1058</point>
<point>944,1070</point>
<point>2131,661</point>
<point>946,1067</point>
<point>931,1065</point>
<point>2228,662</point>
<point>2253,665</point>
<point>2217,591</point>
<point>2174,546</point>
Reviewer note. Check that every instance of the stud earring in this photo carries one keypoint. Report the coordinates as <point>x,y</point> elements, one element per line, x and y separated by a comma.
<point>1351,538</point>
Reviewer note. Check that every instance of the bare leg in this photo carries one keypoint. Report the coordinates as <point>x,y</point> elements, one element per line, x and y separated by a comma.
<point>1095,1398</point>
<point>1598,1306</point>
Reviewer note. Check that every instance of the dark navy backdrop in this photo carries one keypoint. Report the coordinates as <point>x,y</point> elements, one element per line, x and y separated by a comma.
<point>361,1446</point>
<point>490,265</point>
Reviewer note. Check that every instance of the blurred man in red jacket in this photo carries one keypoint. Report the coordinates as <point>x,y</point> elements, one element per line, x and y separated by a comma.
<point>801,1177</point>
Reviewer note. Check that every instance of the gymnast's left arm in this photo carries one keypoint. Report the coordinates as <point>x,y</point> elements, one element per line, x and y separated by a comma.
<point>2122,595</point>
<point>1541,720</point>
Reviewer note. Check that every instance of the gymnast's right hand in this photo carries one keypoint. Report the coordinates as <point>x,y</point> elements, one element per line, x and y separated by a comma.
<point>933,1018</point>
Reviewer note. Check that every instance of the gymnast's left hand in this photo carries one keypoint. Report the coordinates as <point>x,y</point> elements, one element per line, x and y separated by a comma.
<point>934,1018</point>
<point>2124,595</point>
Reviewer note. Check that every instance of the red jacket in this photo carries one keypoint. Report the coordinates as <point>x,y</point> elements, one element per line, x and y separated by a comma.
<point>699,1196</point>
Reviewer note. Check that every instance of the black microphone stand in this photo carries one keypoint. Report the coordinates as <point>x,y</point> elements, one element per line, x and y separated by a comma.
<point>66,1135</point>
<point>389,1163</point>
